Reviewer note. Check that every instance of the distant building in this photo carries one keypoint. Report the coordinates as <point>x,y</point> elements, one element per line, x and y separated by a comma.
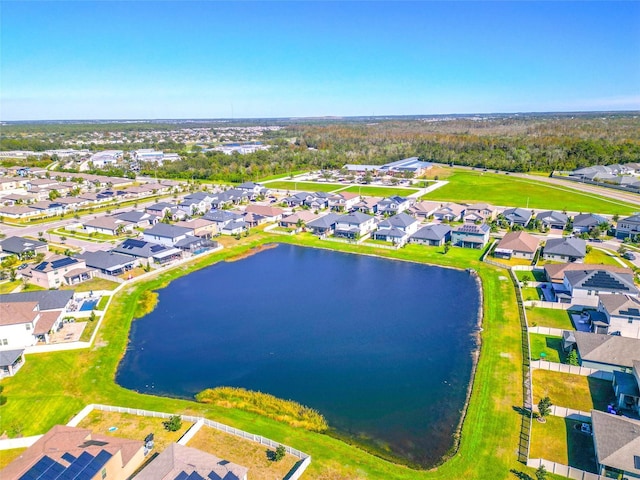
<point>411,165</point>
<point>106,157</point>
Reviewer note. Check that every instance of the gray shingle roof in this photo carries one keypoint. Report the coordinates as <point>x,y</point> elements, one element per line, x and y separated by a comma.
<point>47,299</point>
<point>168,231</point>
<point>569,246</point>
<point>401,220</point>
<point>7,357</point>
<point>617,441</point>
<point>19,244</point>
<point>585,220</point>
<point>609,349</point>
<point>432,232</point>
<point>327,221</point>
<point>105,260</point>
<point>621,305</point>
<point>518,215</point>
<point>551,216</point>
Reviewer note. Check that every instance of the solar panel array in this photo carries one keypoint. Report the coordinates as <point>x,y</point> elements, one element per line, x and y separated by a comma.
<point>63,262</point>
<point>601,279</point>
<point>157,248</point>
<point>132,243</point>
<point>83,467</point>
<point>184,476</point>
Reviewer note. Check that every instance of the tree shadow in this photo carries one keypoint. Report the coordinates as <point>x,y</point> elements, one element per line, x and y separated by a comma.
<point>522,411</point>
<point>521,475</point>
<point>271,455</point>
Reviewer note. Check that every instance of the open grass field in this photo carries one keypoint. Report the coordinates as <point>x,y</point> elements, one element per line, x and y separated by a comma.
<point>8,456</point>
<point>380,191</point>
<point>572,391</point>
<point>133,427</point>
<point>532,275</point>
<point>505,190</point>
<point>597,256</point>
<point>52,387</point>
<point>281,175</point>
<point>548,317</point>
<point>303,186</point>
<point>558,440</point>
<point>243,452</point>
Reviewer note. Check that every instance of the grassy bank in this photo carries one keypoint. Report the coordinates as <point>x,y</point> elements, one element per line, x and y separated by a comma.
<point>51,388</point>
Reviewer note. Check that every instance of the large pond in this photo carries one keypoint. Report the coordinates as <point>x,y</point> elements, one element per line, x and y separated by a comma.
<point>382,348</point>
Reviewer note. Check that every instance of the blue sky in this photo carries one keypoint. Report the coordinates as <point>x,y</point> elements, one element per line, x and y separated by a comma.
<point>190,59</point>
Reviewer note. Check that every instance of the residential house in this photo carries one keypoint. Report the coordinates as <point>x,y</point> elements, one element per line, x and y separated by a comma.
<point>317,201</point>
<point>109,263</point>
<point>59,270</point>
<point>343,201</point>
<point>555,272</point>
<point>567,249</point>
<point>368,205</point>
<point>197,203</point>
<point>13,185</point>
<point>517,216</point>
<point>23,324</point>
<point>228,223</point>
<point>271,214</point>
<point>552,219</point>
<point>72,203</point>
<point>585,222</point>
<point>201,227</point>
<point>621,314</point>
<point>470,235</point>
<point>394,205</point>
<point>151,253</point>
<point>586,286</point>
<point>160,209</point>
<point>424,209</point>
<point>517,245</point>
<point>47,207</point>
<point>324,225</point>
<point>253,189</point>
<point>608,353</point>
<point>297,199</point>
<point>251,219</point>
<point>449,212</point>
<point>626,386</point>
<point>298,218</point>
<point>18,211</point>
<point>186,463</point>
<point>107,225</point>
<point>11,361</point>
<point>23,247</point>
<point>434,235</point>
<point>616,442</point>
<point>229,197</point>
<point>16,199</point>
<point>396,229</point>
<point>65,452</point>
<point>354,225</point>
<point>628,227</point>
<point>480,212</point>
<point>138,219</point>
<point>166,234</point>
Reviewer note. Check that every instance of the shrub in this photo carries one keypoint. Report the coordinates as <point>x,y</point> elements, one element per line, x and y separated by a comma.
<point>173,424</point>
<point>280,453</point>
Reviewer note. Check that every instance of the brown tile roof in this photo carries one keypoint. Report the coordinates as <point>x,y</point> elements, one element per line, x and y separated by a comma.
<point>62,439</point>
<point>46,322</point>
<point>519,242</point>
<point>15,313</point>
<point>555,272</point>
<point>264,210</point>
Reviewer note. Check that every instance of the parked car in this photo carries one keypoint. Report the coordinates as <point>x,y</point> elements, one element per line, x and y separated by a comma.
<point>23,266</point>
<point>629,256</point>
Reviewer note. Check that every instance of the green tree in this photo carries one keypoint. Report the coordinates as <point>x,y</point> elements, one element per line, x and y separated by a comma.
<point>572,358</point>
<point>541,473</point>
<point>280,453</point>
<point>447,246</point>
<point>544,408</point>
<point>526,278</point>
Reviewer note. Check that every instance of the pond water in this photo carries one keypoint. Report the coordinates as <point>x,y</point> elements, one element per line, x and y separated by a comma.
<point>382,348</point>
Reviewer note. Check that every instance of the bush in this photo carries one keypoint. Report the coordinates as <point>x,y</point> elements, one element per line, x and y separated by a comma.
<point>173,424</point>
<point>280,453</point>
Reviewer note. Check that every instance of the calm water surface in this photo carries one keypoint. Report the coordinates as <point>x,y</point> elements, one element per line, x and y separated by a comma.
<point>381,348</point>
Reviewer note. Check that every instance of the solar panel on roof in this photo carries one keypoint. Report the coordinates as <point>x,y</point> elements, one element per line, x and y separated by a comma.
<point>636,461</point>
<point>63,262</point>
<point>195,476</point>
<point>132,243</point>
<point>38,469</point>
<point>68,457</point>
<point>41,267</point>
<point>157,248</point>
<point>181,476</point>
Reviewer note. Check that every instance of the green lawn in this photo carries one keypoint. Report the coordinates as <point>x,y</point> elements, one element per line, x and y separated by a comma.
<point>304,186</point>
<point>507,190</point>
<point>8,287</point>
<point>596,256</point>
<point>572,391</point>
<point>548,317</point>
<point>279,176</point>
<point>380,191</point>
<point>93,284</point>
<point>533,275</point>
<point>531,293</point>
<point>549,345</point>
<point>558,440</point>
<point>52,387</point>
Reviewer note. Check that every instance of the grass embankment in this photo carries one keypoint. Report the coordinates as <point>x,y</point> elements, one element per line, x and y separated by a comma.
<point>8,287</point>
<point>373,191</point>
<point>52,387</point>
<point>303,186</point>
<point>498,189</point>
<point>572,391</point>
<point>287,411</point>
<point>548,317</point>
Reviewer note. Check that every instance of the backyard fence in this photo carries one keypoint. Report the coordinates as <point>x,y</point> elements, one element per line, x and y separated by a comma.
<point>564,470</point>
<point>552,305</point>
<point>378,245</point>
<point>570,413</point>
<point>572,369</point>
<point>197,423</point>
